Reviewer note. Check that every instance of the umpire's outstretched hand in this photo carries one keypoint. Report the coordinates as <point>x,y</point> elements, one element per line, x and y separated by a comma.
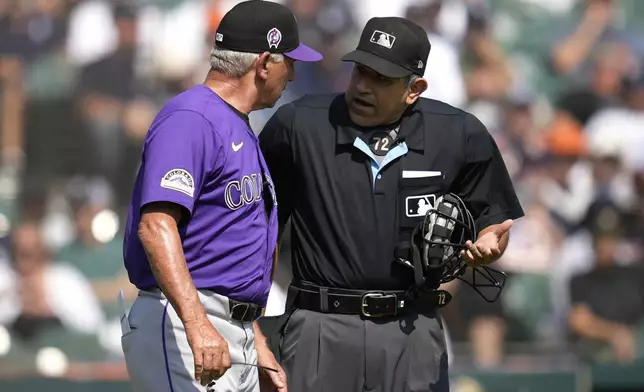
<point>210,350</point>
<point>487,248</point>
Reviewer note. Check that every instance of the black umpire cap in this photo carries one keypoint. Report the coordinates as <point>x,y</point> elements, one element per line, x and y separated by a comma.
<point>393,47</point>
<point>258,26</point>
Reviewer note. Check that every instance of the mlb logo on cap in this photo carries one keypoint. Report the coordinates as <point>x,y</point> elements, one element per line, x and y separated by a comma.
<point>383,39</point>
<point>394,47</point>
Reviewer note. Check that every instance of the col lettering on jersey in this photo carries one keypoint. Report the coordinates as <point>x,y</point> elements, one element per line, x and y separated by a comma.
<point>245,191</point>
<point>202,155</point>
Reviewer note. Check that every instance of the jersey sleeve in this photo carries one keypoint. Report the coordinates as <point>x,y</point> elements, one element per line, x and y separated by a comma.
<point>179,154</point>
<point>275,143</point>
<point>483,182</point>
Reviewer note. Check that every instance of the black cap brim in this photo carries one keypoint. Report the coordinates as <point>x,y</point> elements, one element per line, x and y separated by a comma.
<point>378,64</point>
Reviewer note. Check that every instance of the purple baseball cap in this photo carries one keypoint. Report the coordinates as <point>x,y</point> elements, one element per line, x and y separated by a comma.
<point>258,26</point>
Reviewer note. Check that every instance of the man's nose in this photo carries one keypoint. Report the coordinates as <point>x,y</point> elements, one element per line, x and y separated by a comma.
<point>362,86</point>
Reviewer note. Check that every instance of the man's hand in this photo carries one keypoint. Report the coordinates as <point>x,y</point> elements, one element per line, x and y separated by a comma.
<point>623,344</point>
<point>487,248</point>
<point>210,350</point>
<point>269,381</point>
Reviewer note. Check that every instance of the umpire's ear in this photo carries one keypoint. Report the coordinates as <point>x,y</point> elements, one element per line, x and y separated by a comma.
<point>415,90</point>
<point>262,64</point>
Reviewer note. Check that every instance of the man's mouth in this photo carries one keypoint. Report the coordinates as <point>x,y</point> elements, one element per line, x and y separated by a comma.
<point>363,103</point>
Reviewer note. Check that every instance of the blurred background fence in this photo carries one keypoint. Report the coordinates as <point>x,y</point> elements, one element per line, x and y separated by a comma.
<point>557,82</point>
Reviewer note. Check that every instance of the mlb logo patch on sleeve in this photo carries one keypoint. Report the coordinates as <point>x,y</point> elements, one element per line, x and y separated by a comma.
<point>179,180</point>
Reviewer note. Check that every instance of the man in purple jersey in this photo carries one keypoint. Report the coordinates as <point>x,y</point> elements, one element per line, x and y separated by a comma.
<point>202,226</point>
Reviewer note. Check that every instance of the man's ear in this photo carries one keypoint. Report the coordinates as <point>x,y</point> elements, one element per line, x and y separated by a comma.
<point>416,90</point>
<point>261,65</point>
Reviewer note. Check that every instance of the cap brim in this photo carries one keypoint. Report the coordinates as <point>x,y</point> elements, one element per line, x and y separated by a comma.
<point>304,53</point>
<point>378,64</point>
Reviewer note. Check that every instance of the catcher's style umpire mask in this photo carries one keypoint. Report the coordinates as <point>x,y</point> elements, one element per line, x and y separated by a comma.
<point>437,242</point>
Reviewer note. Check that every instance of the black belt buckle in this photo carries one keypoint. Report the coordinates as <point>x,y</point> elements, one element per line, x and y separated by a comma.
<point>243,312</point>
<point>388,301</point>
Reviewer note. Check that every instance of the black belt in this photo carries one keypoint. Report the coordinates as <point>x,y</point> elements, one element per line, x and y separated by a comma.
<point>243,311</point>
<point>370,304</point>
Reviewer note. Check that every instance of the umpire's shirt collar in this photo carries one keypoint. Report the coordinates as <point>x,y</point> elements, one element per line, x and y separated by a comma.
<point>411,126</point>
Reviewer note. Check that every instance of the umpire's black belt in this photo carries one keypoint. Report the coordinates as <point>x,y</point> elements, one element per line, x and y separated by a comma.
<point>370,304</point>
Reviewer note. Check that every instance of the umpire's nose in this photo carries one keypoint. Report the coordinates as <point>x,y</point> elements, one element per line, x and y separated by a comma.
<point>362,86</point>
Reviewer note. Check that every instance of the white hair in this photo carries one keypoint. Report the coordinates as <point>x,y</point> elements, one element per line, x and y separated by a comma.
<point>236,64</point>
<point>411,79</point>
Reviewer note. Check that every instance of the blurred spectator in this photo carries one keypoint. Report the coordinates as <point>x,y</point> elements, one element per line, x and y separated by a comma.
<point>92,35</point>
<point>40,31</point>
<point>443,73</point>
<point>96,252</point>
<point>518,137</point>
<point>488,75</point>
<point>612,183</point>
<point>529,261</point>
<point>620,128</point>
<point>115,111</point>
<point>328,25</point>
<point>524,309</point>
<point>597,26</point>
<point>611,65</point>
<point>607,312</point>
<point>567,190</point>
<point>48,294</point>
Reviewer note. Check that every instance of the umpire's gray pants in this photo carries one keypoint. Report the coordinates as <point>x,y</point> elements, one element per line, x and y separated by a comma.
<point>344,353</point>
<point>159,358</point>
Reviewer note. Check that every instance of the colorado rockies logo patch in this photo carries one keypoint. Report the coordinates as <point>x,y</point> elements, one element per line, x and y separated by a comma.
<point>274,37</point>
<point>179,180</point>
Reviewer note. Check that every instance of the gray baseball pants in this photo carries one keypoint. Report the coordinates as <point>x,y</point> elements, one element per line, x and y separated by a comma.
<point>345,353</point>
<point>159,358</point>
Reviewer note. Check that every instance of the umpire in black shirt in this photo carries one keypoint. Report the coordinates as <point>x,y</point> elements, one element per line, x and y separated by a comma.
<point>356,172</point>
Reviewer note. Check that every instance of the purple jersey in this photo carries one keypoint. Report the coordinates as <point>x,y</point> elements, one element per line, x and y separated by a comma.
<point>201,154</point>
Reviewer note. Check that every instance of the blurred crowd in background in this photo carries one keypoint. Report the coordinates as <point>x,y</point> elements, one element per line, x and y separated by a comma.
<point>558,84</point>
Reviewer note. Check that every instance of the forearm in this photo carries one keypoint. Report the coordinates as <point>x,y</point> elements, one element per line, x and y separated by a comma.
<point>11,123</point>
<point>162,244</point>
<point>586,324</point>
<point>575,49</point>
